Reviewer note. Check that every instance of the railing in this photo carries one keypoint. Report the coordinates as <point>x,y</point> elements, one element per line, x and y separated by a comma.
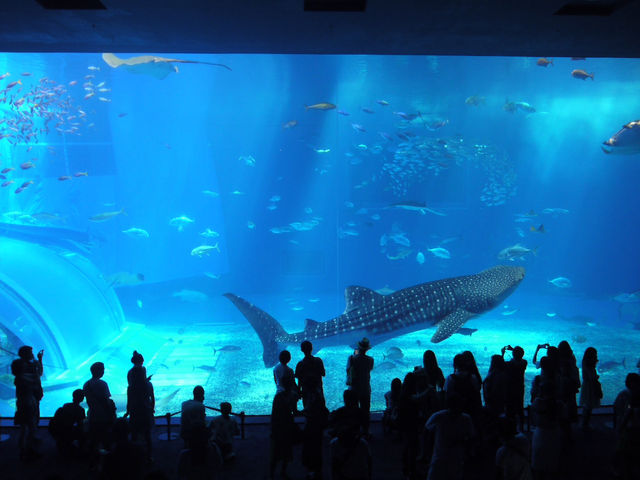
<point>168,435</point>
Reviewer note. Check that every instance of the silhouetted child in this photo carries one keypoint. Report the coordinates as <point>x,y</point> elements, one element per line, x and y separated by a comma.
<point>392,401</point>
<point>223,429</point>
<point>67,425</point>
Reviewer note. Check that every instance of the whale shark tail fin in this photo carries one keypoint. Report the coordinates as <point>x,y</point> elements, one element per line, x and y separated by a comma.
<point>268,329</point>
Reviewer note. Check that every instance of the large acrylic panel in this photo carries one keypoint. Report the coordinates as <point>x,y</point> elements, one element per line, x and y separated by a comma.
<point>284,180</point>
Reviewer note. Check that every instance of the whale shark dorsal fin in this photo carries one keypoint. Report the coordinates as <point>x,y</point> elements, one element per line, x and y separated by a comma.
<point>356,297</point>
<point>310,324</point>
<point>450,324</point>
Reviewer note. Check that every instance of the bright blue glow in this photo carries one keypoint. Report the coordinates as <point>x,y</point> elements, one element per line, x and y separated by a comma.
<point>298,203</point>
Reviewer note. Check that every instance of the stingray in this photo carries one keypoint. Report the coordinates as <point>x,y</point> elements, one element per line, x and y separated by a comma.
<point>158,67</point>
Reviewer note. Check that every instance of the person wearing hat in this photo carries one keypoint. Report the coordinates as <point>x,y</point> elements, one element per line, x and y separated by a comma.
<point>359,368</point>
<point>27,372</point>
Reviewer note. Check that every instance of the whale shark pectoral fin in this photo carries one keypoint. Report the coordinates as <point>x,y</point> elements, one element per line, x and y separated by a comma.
<point>450,324</point>
<point>310,324</point>
<point>356,297</point>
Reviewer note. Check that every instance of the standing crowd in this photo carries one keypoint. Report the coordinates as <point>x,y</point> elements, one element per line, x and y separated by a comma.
<point>445,428</point>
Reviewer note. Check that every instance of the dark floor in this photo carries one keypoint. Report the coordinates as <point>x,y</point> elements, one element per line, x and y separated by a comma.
<point>589,459</point>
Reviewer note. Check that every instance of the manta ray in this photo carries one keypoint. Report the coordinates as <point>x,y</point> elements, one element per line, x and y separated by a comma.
<point>446,303</point>
<point>158,67</point>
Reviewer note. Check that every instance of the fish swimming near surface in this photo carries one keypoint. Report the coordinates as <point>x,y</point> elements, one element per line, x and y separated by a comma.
<point>625,142</point>
<point>544,62</point>
<point>446,304</point>
<point>581,74</point>
<point>103,217</point>
<point>136,232</point>
<point>157,67</point>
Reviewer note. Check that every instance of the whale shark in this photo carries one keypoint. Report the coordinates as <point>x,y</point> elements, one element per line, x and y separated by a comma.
<point>446,304</point>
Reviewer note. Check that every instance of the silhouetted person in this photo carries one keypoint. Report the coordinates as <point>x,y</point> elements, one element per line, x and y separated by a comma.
<point>547,442</point>
<point>316,419</point>
<point>433,371</point>
<point>282,370</point>
<point>515,368</point>
<point>223,428</point>
<point>126,460</point>
<point>349,416</point>
<point>627,460</point>
<point>624,397</point>
<point>284,378</point>
<point>102,410</point>
<point>359,368</point>
<point>192,414</point>
<point>67,425</point>
<point>569,380</point>
<point>494,386</point>
<point>140,401</point>
<point>464,382</point>
<point>411,424</point>
<point>283,430</point>
<point>547,377</point>
<point>309,372</point>
<point>471,366</point>
<point>591,392</point>
<point>27,372</point>
<point>350,456</point>
<point>513,457</point>
<point>201,460</point>
<point>453,431</point>
<point>392,404</point>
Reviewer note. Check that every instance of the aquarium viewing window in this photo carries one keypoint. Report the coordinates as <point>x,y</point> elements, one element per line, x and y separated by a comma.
<point>212,210</point>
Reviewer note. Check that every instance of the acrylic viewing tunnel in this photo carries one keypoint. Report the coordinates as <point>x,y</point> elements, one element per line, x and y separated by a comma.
<point>55,299</point>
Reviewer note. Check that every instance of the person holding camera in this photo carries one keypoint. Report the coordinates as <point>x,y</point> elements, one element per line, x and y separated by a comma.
<point>27,372</point>
<point>515,368</point>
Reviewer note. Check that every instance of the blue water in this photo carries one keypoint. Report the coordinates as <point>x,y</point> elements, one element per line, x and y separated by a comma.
<point>299,213</point>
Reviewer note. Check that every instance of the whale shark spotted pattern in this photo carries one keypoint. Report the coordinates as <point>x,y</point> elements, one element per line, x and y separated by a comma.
<point>446,303</point>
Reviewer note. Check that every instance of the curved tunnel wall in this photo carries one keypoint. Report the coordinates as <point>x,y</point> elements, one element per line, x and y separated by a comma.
<point>55,299</point>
